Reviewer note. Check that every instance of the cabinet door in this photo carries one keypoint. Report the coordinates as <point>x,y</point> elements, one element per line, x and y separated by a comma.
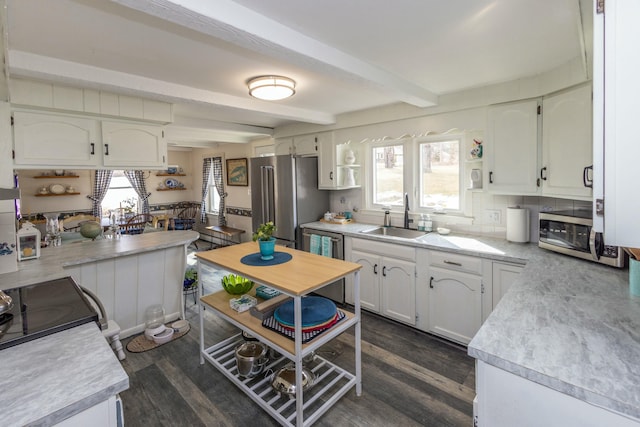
<point>512,148</point>
<point>455,304</point>
<point>369,279</point>
<point>305,145</point>
<point>567,148</point>
<point>327,175</point>
<point>503,276</point>
<point>283,146</point>
<point>50,140</point>
<point>133,145</point>
<point>398,288</point>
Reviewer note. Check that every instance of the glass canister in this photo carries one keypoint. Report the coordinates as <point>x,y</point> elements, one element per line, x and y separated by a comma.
<point>52,228</point>
<point>154,316</point>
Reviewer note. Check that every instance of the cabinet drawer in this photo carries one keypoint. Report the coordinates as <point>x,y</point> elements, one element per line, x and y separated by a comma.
<point>455,262</point>
<point>388,249</point>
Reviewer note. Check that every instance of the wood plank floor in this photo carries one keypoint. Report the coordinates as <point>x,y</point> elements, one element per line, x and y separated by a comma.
<point>409,379</point>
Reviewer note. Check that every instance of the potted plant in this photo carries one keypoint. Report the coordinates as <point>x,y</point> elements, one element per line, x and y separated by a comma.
<point>128,205</point>
<point>266,241</point>
<point>190,279</point>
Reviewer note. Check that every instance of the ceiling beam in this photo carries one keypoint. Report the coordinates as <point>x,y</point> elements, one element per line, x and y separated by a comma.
<point>34,66</point>
<point>234,23</point>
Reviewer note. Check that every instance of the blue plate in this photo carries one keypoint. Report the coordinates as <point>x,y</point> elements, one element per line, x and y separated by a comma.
<point>315,310</point>
<point>171,183</point>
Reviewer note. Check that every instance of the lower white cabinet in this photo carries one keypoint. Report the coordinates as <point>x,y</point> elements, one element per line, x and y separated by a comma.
<point>455,304</point>
<point>387,284</point>
<point>104,414</point>
<point>503,276</point>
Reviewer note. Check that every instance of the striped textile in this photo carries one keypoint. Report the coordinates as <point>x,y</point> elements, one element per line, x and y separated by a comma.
<point>100,188</point>
<point>136,178</point>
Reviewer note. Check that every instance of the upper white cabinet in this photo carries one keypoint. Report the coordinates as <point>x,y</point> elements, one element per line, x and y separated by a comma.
<point>52,140</point>
<point>567,146</point>
<point>46,140</point>
<point>616,106</point>
<point>339,165</point>
<point>511,150</point>
<point>304,145</point>
<point>132,145</point>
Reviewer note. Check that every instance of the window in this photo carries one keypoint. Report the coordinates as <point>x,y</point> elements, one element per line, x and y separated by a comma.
<point>439,174</point>
<point>388,175</point>
<point>119,195</point>
<point>213,202</point>
<point>434,172</point>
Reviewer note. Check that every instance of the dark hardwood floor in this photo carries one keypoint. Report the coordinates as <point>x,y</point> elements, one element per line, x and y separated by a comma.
<point>409,379</point>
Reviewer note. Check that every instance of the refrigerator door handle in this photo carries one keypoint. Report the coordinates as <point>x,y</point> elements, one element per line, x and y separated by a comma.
<point>266,184</point>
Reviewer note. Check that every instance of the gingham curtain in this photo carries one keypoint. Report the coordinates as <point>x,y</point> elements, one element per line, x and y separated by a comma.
<point>209,165</point>
<point>100,187</point>
<point>136,178</point>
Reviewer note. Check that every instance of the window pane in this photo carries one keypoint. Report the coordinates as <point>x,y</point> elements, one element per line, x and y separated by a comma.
<point>440,174</point>
<point>388,175</point>
<point>119,195</point>
<point>214,199</point>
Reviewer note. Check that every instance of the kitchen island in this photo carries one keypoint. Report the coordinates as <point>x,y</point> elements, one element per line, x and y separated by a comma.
<point>72,375</point>
<point>128,274</point>
<point>560,348</point>
<point>301,274</point>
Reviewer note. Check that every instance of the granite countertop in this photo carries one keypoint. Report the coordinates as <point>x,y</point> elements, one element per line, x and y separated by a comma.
<point>565,323</point>
<point>52,260</point>
<point>47,380</point>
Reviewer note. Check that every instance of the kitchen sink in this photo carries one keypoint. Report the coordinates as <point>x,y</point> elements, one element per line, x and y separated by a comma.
<point>395,232</point>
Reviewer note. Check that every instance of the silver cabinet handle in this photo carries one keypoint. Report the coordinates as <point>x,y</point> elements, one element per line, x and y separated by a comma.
<point>452,263</point>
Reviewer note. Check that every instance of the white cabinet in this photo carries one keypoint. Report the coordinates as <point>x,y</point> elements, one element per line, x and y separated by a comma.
<point>133,145</point>
<point>616,106</point>
<point>387,283</point>
<point>338,165</point>
<point>52,140</point>
<point>511,149</point>
<point>303,145</point>
<point>450,295</point>
<point>503,276</point>
<point>567,147</point>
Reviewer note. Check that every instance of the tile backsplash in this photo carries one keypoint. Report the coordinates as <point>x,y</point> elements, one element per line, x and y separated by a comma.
<point>481,205</point>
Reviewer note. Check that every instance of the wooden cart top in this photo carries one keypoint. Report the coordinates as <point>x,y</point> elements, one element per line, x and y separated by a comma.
<point>304,273</point>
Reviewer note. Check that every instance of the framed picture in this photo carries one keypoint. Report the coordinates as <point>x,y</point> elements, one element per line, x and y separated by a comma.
<point>237,172</point>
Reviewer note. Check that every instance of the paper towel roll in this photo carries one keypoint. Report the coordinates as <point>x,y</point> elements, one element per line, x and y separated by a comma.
<point>518,224</point>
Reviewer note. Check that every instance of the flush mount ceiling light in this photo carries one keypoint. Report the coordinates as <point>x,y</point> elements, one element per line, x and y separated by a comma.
<point>271,88</point>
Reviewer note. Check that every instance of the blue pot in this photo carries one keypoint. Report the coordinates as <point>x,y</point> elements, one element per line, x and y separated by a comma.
<point>267,248</point>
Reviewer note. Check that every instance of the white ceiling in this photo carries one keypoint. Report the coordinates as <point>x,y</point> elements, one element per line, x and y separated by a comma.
<point>344,55</point>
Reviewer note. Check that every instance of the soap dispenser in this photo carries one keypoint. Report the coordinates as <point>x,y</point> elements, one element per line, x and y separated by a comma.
<point>421,223</point>
<point>387,217</point>
<point>428,223</point>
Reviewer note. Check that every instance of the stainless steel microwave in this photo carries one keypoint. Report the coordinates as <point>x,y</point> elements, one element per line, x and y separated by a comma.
<point>571,233</point>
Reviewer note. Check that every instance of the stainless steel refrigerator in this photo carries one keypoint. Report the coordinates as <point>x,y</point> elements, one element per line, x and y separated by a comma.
<point>284,189</point>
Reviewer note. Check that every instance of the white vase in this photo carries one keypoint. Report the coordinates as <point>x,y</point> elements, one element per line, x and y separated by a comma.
<point>349,157</point>
<point>349,178</point>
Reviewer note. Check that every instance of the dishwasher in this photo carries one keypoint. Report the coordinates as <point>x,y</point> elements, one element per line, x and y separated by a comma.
<point>335,290</point>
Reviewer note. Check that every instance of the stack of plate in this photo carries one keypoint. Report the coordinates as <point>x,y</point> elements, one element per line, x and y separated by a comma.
<point>318,313</point>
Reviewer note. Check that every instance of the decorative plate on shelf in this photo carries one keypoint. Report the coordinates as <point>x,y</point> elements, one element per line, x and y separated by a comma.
<point>57,189</point>
<point>171,183</point>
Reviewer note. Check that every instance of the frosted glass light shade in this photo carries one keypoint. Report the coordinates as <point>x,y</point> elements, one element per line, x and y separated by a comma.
<point>271,88</point>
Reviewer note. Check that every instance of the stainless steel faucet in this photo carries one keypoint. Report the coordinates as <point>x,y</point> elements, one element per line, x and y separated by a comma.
<point>406,210</point>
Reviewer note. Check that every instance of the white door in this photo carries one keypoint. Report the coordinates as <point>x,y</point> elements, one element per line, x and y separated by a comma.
<point>512,148</point>
<point>327,175</point>
<point>369,279</point>
<point>503,276</point>
<point>51,140</point>
<point>567,147</point>
<point>398,288</point>
<point>455,304</point>
<point>283,146</point>
<point>133,145</point>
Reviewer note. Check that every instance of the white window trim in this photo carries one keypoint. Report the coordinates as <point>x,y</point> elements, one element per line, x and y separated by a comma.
<point>411,178</point>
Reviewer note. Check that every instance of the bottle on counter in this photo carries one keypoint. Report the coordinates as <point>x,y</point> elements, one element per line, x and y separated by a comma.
<point>428,223</point>
<point>422,223</point>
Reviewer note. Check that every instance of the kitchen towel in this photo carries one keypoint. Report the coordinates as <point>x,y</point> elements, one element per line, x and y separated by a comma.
<point>314,244</point>
<point>327,246</point>
<point>518,224</point>
<point>634,277</point>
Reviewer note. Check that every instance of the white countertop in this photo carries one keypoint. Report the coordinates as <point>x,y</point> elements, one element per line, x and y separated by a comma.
<point>53,260</point>
<point>49,379</point>
<point>565,323</point>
